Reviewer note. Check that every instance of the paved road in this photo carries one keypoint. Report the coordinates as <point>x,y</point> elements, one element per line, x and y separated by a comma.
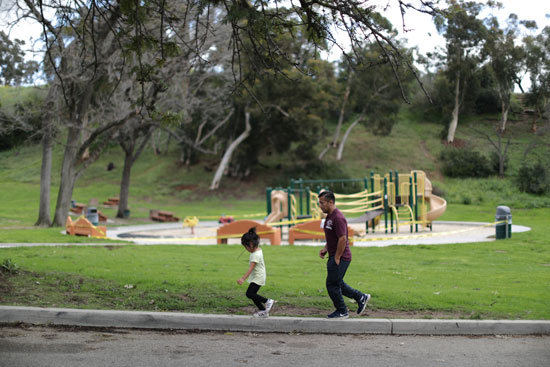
<point>32,346</point>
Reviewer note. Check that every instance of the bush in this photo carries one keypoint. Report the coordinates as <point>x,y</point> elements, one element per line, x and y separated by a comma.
<point>465,163</point>
<point>533,179</point>
<point>9,267</point>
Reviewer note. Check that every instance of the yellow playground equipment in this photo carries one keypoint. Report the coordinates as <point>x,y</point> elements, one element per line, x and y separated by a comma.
<point>401,199</point>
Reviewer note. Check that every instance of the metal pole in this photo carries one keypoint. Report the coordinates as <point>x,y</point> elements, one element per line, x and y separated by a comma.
<point>386,204</point>
<point>397,186</point>
<point>268,199</point>
<point>416,202</point>
<point>411,193</point>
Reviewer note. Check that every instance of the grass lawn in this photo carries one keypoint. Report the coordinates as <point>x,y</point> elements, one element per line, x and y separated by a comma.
<point>503,279</point>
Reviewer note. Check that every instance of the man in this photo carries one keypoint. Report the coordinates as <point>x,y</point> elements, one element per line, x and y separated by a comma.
<point>339,258</point>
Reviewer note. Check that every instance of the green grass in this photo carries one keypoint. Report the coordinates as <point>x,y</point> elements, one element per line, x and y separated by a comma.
<point>503,279</point>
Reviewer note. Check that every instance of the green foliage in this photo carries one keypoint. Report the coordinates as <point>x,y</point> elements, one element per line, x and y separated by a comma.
<point>14,70</point>
<point>20,116</point>
<point>464,163</point>
<point>487,191</point>
<point>8,266</point>
<point>533,179</point>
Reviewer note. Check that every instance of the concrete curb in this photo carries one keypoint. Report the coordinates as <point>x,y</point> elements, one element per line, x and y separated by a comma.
<point>187,321</point>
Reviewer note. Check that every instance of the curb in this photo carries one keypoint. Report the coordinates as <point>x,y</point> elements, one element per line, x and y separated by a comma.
<point>306,325</point>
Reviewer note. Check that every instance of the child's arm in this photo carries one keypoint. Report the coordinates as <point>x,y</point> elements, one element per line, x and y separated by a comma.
<point>241,280</point>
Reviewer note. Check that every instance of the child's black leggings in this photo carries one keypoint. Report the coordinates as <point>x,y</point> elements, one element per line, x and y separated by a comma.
<point>252,293</point>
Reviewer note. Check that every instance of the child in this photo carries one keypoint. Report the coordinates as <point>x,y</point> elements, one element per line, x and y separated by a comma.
<point>255,273</point>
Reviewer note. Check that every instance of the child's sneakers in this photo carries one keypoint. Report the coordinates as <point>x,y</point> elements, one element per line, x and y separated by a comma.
<point>269,304</point>
<point>262,314</point>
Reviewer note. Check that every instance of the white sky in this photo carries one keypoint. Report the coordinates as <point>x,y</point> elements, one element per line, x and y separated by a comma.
<point>424,35</point>
<point>422,32</point>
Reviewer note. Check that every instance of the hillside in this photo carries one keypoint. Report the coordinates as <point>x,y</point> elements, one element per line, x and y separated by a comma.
<point>159,181</point>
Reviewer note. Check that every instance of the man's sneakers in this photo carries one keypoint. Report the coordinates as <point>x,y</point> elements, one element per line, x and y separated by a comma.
<point>338,315</point>
<point>269,304</point>
<point>362,303</point>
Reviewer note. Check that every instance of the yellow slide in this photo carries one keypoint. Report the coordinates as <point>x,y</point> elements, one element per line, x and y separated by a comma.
<point>279,199</point>
<point>438,205</point>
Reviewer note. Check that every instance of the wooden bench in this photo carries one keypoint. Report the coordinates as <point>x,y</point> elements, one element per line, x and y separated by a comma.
<point>79,208</point>
<point>102,217</point>
<point>303,231</point>
<point>112,202</point>
<point>240,227</point>
<point>162,216</point>
<point>83,227</point>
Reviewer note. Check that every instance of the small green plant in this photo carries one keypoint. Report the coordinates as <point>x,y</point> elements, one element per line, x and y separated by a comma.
<point>465,163</point>
<point>8,266</point>
<point>533,179</point>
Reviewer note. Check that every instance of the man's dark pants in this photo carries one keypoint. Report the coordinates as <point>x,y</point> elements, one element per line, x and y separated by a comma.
<point>336,286</point>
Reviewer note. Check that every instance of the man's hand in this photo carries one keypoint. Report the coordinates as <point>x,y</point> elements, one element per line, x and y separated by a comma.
<point>337,260</point>
<point>322,253</point>
<point>240,281</point>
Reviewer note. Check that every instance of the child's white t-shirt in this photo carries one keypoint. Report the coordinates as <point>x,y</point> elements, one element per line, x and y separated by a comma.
<point>258,274</point>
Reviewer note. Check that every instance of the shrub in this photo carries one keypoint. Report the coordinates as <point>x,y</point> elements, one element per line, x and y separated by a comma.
<point>464,163</point>
<point>533,179</point>
<point>9,267</point>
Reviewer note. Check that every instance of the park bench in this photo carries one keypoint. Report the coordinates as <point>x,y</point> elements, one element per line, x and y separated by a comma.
<point>78,208</point>
<point>162,216</point>
<point>240,227</point>
<point>112,202</point>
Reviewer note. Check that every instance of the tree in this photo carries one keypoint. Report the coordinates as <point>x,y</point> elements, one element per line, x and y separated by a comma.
<point>374,98</point>
<point>538,64</point>
<point>87,48</point>
<point>14,70</point>
<point>506,59</point>
<point>464,34</point>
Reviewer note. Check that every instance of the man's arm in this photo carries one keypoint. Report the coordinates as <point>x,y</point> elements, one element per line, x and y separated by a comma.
<point>323,252</point>
<point>340,249</point>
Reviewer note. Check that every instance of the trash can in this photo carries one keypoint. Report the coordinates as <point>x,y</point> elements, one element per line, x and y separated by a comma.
<point>92,215</point>
<point>126,213</point>
<point>503,230</point>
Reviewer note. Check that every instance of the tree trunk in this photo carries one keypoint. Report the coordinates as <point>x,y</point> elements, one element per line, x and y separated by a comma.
<point>334,141</point>
<point>44,218</point>
<point>125,184</point>
<point>129,159</point>
<point>228,153</point>
<point>505,108</point>
<point>454,120</point>
<point>68,177</point>
<point>345,137</point>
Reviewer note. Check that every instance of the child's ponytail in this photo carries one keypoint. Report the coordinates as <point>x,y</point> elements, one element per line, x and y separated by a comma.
<point>250,238</point>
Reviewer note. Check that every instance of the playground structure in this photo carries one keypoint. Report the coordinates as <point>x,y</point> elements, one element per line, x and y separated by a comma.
<point>311,230</point>
<point>237,228</point>
<point>384,203</point>
<point>83,227</point>
<point>395,199</point>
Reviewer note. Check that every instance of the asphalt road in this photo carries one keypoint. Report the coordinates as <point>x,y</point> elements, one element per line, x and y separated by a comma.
<point>37,346</point>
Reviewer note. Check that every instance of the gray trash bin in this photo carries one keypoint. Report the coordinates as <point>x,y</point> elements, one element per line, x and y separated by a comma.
<point>92,215</point>
<point>503,230</point>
